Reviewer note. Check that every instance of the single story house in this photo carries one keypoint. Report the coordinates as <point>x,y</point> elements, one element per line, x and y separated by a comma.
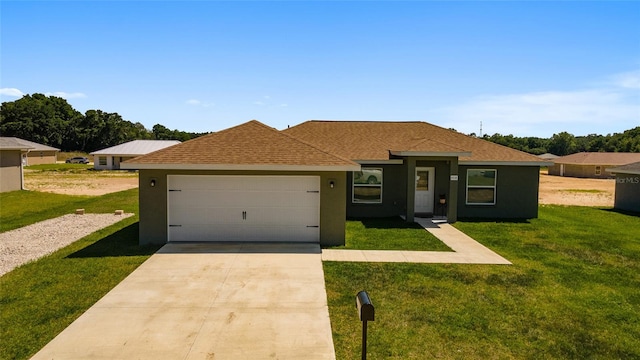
<point>627,195</point>
<point>37,153</point>
<point>11,164</point>
<point>548,156</point>
<point>255,183</point>
<point>591,164</point>
<point>110,158</point>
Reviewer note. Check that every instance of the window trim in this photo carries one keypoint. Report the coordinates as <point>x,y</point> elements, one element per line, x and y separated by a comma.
<point>100,158</point>
<point>598,170</point>
<point>494,187</point>
<point>354,185</point>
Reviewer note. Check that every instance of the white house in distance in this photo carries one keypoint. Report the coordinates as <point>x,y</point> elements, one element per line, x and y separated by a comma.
<point>110,158</point>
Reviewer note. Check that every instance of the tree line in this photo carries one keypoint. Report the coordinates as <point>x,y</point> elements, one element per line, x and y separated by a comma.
<point>565,143</point>
<point>52,121</point>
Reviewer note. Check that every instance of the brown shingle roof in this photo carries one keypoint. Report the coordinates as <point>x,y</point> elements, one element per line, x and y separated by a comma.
<point>599,158</point>
<point>374,140</point>
<point>251,145</point>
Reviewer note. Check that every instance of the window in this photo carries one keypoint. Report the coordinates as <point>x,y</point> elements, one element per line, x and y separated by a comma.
<point>481,186</point>
<point>102,160</point>
<point>598,170</point>
<point>367,186</point>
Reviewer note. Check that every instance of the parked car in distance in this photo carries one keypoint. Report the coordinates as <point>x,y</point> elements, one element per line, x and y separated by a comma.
<point>77,160</point>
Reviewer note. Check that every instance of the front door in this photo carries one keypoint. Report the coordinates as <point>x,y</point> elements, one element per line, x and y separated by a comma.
<point>424,190</point>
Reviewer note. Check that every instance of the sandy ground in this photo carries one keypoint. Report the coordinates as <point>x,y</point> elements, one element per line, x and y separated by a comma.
<point>573,191</point>
<point>94,183</point>
<point>553,189</point>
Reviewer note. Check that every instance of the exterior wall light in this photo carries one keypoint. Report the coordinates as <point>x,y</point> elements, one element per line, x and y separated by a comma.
<point>332,184</point>
<point>152,183</point>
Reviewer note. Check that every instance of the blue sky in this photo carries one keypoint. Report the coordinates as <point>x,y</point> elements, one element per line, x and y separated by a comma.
<point>522,68</point>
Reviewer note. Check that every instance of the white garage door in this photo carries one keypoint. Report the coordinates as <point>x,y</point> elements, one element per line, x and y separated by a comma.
<point>244,208</point>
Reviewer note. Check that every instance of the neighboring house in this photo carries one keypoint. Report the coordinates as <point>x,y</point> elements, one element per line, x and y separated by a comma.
<point>591,164</point>
<point>548,157</point>
<point>110,158</point>
<point>11,164</point>
<point>627,187</point>
<point>37,153</point>
<point>255,183</point>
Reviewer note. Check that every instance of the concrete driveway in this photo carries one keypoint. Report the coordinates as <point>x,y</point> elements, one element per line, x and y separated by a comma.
<point>209,301</point>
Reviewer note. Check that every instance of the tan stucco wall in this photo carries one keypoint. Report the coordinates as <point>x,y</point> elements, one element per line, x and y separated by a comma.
<point>41,157</point>
<point>10,170</point>
<point>581,171</point>
<point>153,203</point>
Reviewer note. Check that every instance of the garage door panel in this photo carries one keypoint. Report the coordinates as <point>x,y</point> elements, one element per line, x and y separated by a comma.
<point>243,208</point>
<point>228,232</point>
<point>183,215</point>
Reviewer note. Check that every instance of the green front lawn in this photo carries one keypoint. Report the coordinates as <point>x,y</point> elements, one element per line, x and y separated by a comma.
<point>21,208</point>
<point>389,234</point>
<point>571,293</point>
<point>41,298</point>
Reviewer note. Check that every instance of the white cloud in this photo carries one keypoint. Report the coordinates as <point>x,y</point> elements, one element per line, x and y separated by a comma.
<point>11,92</point>
<point>193,102</point>
<point>629,79</point>
<point>66,95</point>
<point>603,110</point>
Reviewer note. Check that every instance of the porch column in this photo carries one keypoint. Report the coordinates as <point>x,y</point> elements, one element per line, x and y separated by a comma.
<point>411,188</point>
<point>452,201</point>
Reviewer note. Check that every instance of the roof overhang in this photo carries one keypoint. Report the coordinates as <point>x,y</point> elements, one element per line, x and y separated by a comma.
<point>243,167</point>
<point>16,148</point>
<point>430,153</point>
<point>505,163</point>
<point>622,171</point>
<point>380,162</point>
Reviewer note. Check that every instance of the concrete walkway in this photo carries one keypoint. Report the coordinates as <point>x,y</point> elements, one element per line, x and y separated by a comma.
<point>232,301</point>
<point>466,250</point>
<point>209,301</point>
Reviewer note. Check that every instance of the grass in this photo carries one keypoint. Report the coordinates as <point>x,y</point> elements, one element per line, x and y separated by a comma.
<point>585,191</point>
<point>71,168</point>
<point>389,234</point>
<point>39,299</point>
<point>21,208</point>
<point>571,293</point>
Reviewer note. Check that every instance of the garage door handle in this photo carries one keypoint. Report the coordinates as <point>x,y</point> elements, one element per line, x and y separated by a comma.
<point>174,190</point>
<point>175,225</point>
<point>313,191</point>
<point>244,215</point>
<point>313,226</point>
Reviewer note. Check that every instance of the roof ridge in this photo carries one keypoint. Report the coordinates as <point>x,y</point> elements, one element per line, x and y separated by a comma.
<point>313,146</point>
<point>366,121</point>
<point>422,140</point>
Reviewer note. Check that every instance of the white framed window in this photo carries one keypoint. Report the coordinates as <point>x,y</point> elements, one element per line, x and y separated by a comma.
<point>481,186</point>
<point>367,186</point>
<point>598,170</point>
<point>102,160</point>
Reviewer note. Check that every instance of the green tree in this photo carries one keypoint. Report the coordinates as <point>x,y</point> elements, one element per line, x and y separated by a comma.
<point>562,144</point>
<point>43,119</point>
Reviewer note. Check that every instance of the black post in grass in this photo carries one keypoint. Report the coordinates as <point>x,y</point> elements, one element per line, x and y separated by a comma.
<point>366,313</point>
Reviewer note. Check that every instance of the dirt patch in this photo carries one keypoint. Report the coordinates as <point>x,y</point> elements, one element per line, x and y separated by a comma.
<point>93,183</point>
<point>560,190</point>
